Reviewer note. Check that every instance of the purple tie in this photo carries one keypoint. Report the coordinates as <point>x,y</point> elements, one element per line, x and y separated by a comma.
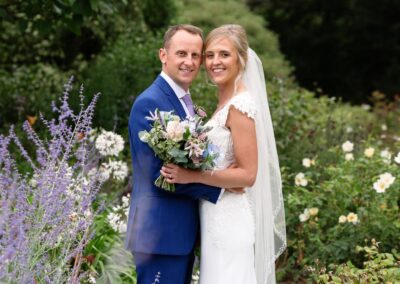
<point>189,103</point>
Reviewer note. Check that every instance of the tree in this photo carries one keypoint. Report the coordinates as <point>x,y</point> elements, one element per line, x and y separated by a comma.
<point>348,48</point>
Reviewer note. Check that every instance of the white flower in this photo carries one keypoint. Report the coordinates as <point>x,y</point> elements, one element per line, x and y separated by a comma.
<point>380,186</point>
<point>300,180</point>
<point>33,182</point>
<point>175,131</point>
<point>397,158</point>
<point>109,144</point>
<point>352,218</point>
<point>384,127</point>
<point>386,155</point>
<point>366,106</point>
<point>122,227</point>
<point>304,216</point>
<point>102,173</point>
<point>196,277</point>
<point>369,152</point>
<point>91,279</point>
<point>349,157</point>
<point>342,219</point>
<point>114,220</point>
<point>387,178</point>
<point>313,211</point>
<point>190,124</point>
<point>306,162</point>
<point>347,146</point>
<point>349,129</point>
<point>126,200</point>
<point>119,169</point>
<point>88,212</point>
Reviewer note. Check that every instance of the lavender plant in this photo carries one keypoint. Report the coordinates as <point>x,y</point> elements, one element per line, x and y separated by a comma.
<point>46,212</point>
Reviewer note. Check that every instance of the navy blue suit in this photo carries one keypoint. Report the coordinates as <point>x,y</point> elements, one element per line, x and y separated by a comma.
<point>162,226</point>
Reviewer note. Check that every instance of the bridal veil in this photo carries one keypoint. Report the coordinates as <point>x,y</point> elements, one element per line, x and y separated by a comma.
<point>266,194</point>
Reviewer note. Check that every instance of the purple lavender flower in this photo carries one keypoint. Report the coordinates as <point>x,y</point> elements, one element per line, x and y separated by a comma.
<point>45,211</point>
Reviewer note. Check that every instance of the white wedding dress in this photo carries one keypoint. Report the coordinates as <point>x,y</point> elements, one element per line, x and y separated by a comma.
<point>227,228</point>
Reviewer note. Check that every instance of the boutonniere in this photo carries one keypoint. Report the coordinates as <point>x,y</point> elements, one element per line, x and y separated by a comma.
<point>200,111</point>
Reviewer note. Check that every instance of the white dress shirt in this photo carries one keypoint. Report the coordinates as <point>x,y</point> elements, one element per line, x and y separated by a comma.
<point>180,93</point>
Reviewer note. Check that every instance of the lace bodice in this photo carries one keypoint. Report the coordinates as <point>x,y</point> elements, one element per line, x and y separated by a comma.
<point>220,135</point>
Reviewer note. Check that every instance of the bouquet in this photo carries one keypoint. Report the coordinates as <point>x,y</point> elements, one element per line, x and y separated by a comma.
<point>181,142</point>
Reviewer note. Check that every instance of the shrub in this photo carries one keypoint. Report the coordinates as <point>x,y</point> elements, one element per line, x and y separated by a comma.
<point>28,90</point>
<point>377,268</point>
<point>120,74</point>
<point>345,196</point>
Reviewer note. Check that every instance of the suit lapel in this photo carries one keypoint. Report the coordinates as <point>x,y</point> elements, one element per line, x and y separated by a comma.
<point>171,96</point>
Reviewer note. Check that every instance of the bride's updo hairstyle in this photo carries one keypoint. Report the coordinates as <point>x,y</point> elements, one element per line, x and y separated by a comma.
<point>237,35</point>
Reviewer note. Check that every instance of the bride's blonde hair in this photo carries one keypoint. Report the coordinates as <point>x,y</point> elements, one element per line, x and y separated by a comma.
<point>237,35</point>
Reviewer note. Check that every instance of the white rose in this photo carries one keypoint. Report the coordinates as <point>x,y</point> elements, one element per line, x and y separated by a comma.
<point>369,152</point>
<point>387,178</point>
<point>347,146</point>
<point>313,211</point>
<point>352,218</point>
<point>305,215</point>
<point>306,162</point>
<point>342,219</point>
<point>300,180</point>
<point>349,157</point>
<point>175,131</point>
<point>380,186</point>
<point>386,155</point>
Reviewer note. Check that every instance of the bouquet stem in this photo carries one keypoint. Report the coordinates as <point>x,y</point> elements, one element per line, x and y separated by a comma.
<point>161,182</point>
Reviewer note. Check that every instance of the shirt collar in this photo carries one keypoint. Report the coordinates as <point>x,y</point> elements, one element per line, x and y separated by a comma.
<point>175,87</point>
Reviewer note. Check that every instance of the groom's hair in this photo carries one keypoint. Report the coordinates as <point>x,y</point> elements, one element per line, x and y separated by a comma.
<point>185,27</point>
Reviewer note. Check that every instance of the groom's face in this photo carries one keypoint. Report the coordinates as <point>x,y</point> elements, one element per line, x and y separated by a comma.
<point>181,58</point>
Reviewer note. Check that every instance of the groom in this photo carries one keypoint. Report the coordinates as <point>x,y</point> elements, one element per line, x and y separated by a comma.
<point>163,226</point>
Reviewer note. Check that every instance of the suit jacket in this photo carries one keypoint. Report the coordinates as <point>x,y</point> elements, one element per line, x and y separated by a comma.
<point>160,222</point>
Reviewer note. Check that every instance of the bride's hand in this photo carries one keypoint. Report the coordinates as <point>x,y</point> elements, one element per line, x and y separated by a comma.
<point>176,174</point>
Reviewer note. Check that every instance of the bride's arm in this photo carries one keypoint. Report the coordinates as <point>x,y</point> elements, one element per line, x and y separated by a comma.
<point>245,150</point>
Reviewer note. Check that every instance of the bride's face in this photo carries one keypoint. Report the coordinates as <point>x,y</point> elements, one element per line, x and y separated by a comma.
<point>222,62</point>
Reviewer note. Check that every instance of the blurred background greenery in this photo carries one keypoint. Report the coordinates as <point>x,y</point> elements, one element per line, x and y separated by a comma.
<point>331,69</point>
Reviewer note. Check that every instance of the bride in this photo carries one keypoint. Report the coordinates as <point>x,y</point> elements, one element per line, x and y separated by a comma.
<point>244,233</point>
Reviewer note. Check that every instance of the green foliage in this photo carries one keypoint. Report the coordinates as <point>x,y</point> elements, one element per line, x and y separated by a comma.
<point>121,73</point>
<point>304,124</point>
<point>27,91</point>
<point>158,14</point>
<point>38,14</point>
<point>211,14</point>
<point>106,258</point>
<point>378,268</point>
<point>61,32</point>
